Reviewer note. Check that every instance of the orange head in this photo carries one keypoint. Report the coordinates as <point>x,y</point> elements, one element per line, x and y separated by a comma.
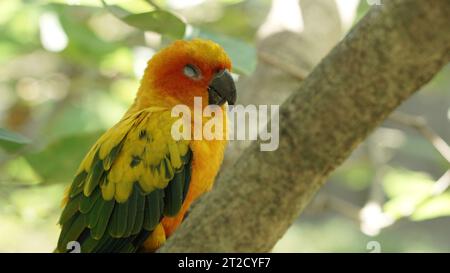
<point>188,69</point>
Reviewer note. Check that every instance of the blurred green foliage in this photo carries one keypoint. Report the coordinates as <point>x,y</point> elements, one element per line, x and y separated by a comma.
<point>11,141</point>
<point>159,21</point>
<point>67,156</point>
<point>70,69</point>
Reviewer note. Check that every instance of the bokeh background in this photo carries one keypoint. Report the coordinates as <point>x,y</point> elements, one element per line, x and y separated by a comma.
<point>69,69</point>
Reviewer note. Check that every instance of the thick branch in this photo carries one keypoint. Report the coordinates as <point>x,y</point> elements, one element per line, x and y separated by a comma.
<point>390,54</point>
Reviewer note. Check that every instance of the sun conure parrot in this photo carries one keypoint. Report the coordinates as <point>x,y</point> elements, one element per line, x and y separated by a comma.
<point>136,183</point>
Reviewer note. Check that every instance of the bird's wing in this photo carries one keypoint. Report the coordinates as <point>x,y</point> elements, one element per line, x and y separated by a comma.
<point>133,176</point>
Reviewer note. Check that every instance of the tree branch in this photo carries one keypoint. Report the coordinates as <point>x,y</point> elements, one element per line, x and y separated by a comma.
<point>390,54</point>
<point>420,125</point>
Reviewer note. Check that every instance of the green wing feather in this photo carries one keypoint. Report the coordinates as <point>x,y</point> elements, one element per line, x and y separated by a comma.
<point>133,176</point>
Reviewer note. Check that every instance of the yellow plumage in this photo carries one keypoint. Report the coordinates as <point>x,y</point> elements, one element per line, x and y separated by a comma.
<point>146,130</point>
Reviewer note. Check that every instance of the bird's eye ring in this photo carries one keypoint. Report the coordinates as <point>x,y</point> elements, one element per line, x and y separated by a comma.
<point>192,72</point>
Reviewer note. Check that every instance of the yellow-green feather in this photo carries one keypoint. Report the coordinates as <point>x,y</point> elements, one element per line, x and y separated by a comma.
<point>132,176</point>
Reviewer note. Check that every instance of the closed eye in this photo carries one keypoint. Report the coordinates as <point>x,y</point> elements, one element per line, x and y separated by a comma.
<point>191,71</point>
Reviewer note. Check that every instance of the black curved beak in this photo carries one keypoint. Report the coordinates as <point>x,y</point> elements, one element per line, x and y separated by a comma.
<point>222,89</point>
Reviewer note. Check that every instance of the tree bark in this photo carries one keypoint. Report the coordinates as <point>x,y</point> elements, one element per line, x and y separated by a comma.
<point>394,50</point>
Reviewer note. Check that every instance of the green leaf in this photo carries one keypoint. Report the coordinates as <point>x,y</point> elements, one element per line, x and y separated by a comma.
<point>11,141</point>
<point>116,10</point>
<point>438,206</point>
<point>243,55</point>
<point>399,182</point>
<point>18,169</point>
<point>402,206</point>
<point>58,162</point>
<point>411,195</point>
<point>85,46</point>
<point>159,21</point>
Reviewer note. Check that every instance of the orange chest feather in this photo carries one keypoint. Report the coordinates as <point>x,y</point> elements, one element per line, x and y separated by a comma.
<point>207,158</point>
